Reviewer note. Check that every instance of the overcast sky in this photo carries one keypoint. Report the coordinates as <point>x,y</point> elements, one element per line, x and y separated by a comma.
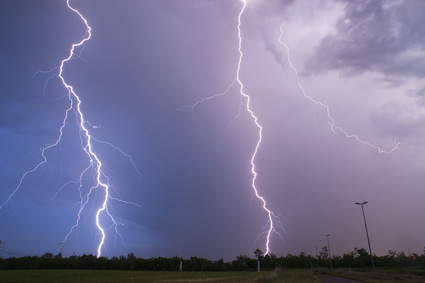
<point>149,61</point>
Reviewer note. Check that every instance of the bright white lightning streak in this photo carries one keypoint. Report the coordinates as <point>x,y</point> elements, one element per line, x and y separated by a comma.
<point>94,160</point>
<point>271,216</point>
<point>273,220</point>
<point>193,106</point>
<point>330,119</point>
<point>86,144</point>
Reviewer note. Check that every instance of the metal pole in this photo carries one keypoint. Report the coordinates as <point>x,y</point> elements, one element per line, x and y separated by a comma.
<point>311,261</point>
<point>317,257</point>
<point>329,250</point>
<point>367,234</point>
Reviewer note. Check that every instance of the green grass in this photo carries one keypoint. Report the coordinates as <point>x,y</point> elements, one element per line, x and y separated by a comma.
<point>382,275</point>
<point>295,275</point>
<point>81,276</point>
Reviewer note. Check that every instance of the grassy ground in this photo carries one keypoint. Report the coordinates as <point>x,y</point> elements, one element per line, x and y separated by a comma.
<point>65,276</point>
<point>382,275</point>
<point>294,275</point>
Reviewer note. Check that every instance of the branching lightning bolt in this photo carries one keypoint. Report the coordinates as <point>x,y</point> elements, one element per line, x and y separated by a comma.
<point>193,106</point>
<point>273,220</point>
<point>95,165</point>
<point>330,119</point>
<point>101,179</point>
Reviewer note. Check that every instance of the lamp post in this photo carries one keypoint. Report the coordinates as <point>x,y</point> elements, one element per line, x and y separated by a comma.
<point>367,233</point>
<point>329,250</point>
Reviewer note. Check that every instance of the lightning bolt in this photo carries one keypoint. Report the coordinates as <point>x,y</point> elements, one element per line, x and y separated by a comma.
<point>101,180</point>
<point>273,220</point>
<point>330,119</point>
<point>191,107</point>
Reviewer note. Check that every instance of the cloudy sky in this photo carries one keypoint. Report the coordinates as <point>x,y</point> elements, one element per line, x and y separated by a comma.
<point>140,78</point>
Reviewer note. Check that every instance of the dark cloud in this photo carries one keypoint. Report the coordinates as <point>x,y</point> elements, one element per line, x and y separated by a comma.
<point>147,58</point>
<point>381,36</point>
<point>272,8</point>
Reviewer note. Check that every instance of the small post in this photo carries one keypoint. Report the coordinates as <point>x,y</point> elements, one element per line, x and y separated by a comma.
<point>329,251</point>
<point>258,264</point>
<point>181,265</point>
<point>311,261</point>
<point>317,257</point>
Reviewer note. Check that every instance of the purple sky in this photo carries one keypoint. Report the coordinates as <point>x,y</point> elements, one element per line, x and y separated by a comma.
<point>363,59</point>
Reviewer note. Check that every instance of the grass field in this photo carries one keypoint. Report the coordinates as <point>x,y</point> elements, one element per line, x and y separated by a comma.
<point>65,276</point>
<point>406,275</point>
<point>279,275</point>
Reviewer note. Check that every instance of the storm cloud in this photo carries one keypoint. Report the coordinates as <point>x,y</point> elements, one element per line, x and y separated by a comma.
<point>140,77</point>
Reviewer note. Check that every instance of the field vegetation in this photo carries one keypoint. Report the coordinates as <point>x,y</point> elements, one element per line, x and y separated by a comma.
<point>387,275</point>
<point>393,267</point>
<point>73,275</point>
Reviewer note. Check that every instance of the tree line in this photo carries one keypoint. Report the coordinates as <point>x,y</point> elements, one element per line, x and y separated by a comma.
<point>358,258</point>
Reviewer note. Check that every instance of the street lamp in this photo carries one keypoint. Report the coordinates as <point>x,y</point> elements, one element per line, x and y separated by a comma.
<point>329,250</point>
<point>367,234</point>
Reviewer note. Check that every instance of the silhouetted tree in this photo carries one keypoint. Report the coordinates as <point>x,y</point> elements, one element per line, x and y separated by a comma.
<point>323,255</point>
<point>269,262</point>
<point>348,259</point>
<point>258,254</point>
<point>220,266</point>
<point>358,258</point>
<point>241,262</point>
